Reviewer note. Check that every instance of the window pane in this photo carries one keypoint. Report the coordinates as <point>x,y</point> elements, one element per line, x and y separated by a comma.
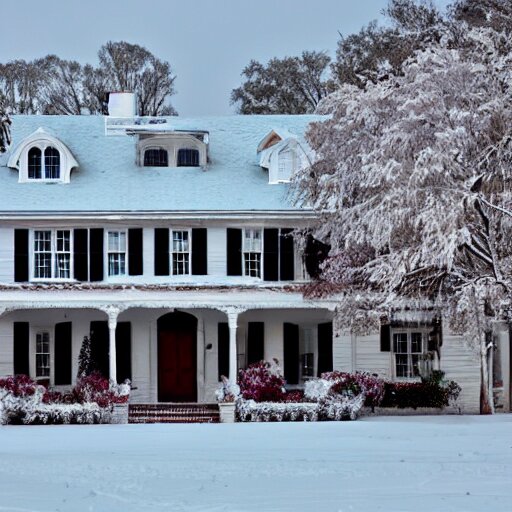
<point>156,158</point>
<point>252,264</point>
<point>401,365</point>
<point>34,164</point>
<point>42,354</point>
<point>62,266</point>
<point>51,163</point>
<point>180,264</point>
<point>180,241</point>
<point>400,342</point>
<point>188,158</point>
<point>416,342</point>
<point>63,241</point>
<point>116,264</point>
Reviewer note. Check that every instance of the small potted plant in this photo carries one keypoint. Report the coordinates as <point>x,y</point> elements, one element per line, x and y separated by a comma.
<point>226,395</point>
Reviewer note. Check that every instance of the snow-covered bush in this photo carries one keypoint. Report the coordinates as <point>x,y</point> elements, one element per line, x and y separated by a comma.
<point>227,391</point>
<point>250,410</point>
<point>23,401</point>
<point>262,382</point>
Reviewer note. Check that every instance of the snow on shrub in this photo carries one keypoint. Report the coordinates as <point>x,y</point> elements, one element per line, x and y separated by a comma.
<point>262,382</point>
<point>23,401</point>
<point>228,391</point>
<point>250,410</point>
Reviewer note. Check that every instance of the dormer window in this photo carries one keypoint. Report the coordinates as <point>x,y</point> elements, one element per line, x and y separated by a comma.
<point>156,157</point>
<point>188,158</point>
<point>43,158</point>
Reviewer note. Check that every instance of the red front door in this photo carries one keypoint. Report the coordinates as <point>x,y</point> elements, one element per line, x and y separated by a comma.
<point>177,362</point>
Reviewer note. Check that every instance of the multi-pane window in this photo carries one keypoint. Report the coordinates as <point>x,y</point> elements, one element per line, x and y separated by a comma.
<point>188,158</point>
<point>116,253</point>
<point>52,254</point>
<point>408,347</point>
<point>47,168</point>
<point>252,247</point>
<point>51,163</point>
<point>42,354</point>
<point>34,164</point>
<point>156,157</point>
<point>180,252</point>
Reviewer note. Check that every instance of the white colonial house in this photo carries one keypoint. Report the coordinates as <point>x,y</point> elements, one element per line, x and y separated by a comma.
<point>169,242</point>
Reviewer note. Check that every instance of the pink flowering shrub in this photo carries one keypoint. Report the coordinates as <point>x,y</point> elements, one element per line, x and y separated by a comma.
<point>19,385</point>
<point>96,388</point>
<point>261,382</point>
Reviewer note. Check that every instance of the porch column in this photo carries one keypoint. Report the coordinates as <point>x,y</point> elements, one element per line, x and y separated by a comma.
<point>233,325</point>
<point>113,313</point>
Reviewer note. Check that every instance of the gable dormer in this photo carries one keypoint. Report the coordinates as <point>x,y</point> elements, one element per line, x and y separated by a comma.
<point>42,158</point>
<point>283,154</point>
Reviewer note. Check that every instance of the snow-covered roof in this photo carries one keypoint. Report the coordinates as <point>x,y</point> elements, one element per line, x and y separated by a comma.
<point>110,180</point>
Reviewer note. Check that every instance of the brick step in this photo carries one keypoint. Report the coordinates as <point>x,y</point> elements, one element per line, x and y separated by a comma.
<point>173,413</point>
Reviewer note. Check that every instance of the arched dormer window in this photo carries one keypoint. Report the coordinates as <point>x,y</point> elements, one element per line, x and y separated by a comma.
<point>41,157</point>
<point>188,158</point>
<point>51,163</point>
<point>156,157</point>
<point>34,164</point>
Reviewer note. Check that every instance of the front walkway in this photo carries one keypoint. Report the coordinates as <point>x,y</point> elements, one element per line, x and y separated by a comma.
<point>447,463</point>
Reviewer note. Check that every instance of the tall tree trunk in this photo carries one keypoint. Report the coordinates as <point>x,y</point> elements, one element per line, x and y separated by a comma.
<point>486,401</point>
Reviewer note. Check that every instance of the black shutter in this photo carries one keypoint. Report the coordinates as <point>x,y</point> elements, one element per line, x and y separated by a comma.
<point>286,256</point>
<point>63,353</point>
<point>234,252</point>
<point>124,351</point>
<point>20,348</point>
<point>199,252</point>
<point>223,349</point>
<point>325,363</point>
<point>315,254</point>
<point>20,255</point>
<point>291,353</point>
<point>100,347</point>
<point>80,255</point>
<point>385,338</point>
<point>271,254</point>
<point>255,342</point>
<point>135,252</point>
<point>96,254</point>
<point>162,267</point>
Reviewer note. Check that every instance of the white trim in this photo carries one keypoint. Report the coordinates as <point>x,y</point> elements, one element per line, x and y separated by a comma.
<point>41,139</point>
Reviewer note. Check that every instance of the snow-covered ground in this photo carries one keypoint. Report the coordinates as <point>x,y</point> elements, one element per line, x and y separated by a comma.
<point>445,463</point>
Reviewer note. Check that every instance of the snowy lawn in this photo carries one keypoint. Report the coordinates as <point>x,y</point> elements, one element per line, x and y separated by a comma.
<point>415,464</point>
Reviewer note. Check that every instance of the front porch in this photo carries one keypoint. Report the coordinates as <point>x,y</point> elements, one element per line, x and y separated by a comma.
<point>171,352</point>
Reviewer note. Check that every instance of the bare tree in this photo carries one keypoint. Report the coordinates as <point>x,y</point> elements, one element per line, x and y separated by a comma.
<point>292,85</point>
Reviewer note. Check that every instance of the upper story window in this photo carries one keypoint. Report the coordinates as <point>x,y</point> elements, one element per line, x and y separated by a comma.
<point>156,157</point>
<point>41,157</point>
<point>180,252</point>
<point>252,249</point>
<point>188,158</point>
<point>52,254</point>
<point>116,250</point>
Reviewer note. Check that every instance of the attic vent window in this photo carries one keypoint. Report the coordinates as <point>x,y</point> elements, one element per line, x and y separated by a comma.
<point>188,158</point>
<point>156,157</point>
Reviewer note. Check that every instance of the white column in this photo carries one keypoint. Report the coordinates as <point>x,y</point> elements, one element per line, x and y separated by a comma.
<point>233,325</point>
<point>112,324</point>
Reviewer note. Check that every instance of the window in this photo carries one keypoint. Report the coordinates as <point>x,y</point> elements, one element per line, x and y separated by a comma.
<point>252,252</point>
<point>51,163</point>
<point>408,347</point>
<point>156,157</point>
<point>52,254</point>
<point>43,354</point>
<point>188,158</point>
<point>34,164</point>
<point>180,252</point>
<point>51,168</point>
<point>116,253</point>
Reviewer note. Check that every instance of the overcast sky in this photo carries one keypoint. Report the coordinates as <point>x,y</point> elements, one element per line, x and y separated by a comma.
<point>207,42</point>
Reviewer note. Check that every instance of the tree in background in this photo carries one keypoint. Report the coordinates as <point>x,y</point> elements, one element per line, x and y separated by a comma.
<point>292,85</point>
<point>5,128</point>
<point>51,85</point>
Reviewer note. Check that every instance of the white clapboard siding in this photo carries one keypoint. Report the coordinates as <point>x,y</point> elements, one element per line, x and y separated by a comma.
<point>217,240</point>
<point>148,252</point>
<point>461,364</point>
<point>342,352</point>
<point>6,255</point>
<point>369,358</point>
<point>6,347</point>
